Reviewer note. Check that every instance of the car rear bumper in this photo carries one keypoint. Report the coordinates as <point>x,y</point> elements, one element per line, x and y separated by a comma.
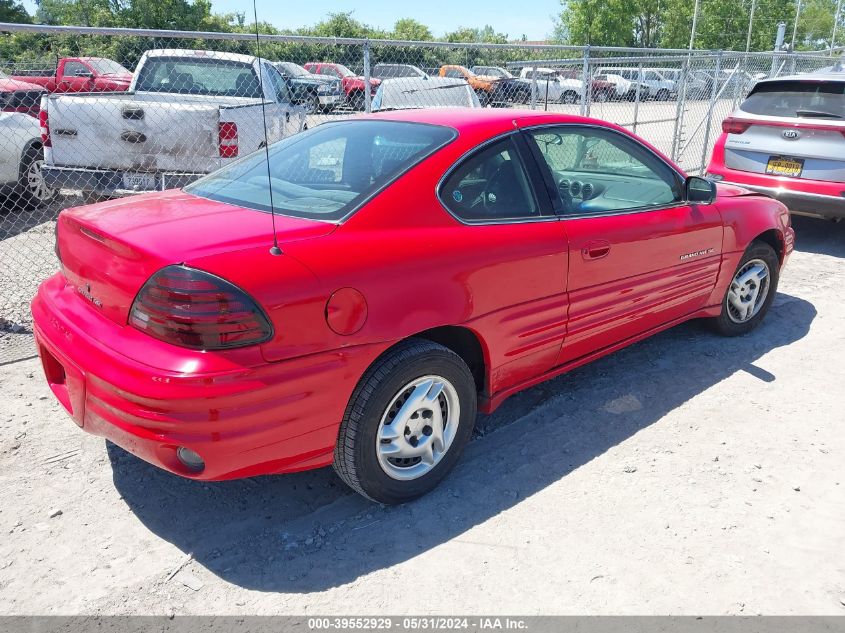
<point>793,192</point>
<point>112,182</point>
<point>242,419</point>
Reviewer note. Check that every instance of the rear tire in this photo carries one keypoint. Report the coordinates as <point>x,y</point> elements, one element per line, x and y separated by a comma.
<point>743,307</point>
<point>569,97</point>
<point>662,95</point>
<point>32,189</point>
<point>400,436</point>
<point>356,100</point>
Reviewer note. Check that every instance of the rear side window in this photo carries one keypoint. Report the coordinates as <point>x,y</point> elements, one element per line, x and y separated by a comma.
<point>327,172</point>
<point>217,77</point>
<point>490,186</point>
<point>816,99</point>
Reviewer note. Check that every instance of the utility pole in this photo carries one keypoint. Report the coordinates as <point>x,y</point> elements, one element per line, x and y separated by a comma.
<point>795,26</point>
<point>695,23</point>
<point>835,21</point>
<point>778,47</point>
<point>751,24</point>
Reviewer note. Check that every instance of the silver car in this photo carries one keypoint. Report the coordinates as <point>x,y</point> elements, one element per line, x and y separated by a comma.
<point>787,140</point>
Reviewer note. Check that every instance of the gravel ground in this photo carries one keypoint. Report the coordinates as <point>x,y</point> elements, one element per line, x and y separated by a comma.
<point>688,474</point>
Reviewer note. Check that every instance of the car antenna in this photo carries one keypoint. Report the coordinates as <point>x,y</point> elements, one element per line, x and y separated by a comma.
<point>274,250</point>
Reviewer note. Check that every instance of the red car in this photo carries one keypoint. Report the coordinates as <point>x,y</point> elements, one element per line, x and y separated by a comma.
<point>19,96</point>
<point>353,85</point>
<point>787,140</point>
<point>431,263</point>
<point>80,74</point>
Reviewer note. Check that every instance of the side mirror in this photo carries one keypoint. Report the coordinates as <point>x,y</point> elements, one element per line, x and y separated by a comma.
<point>699,190</point>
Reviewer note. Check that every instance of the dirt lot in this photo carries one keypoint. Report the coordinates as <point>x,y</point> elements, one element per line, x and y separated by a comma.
<point>687,474</point>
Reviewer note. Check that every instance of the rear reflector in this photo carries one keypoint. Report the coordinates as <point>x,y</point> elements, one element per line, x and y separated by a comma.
<point>227,139</point>
<point>735,126</point>
<point>195,309</point>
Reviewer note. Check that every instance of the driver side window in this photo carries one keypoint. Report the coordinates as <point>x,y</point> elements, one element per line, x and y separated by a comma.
<point>601,171</point>
<point>490,185</point>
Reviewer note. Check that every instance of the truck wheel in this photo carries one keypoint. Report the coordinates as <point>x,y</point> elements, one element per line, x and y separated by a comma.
<point>406,423</point>
<point>601,96</point>
<point>356,100</point>
<point>569,97</point>
<point>662,95</point>
<point>33,190</point>
<point>751,291</point>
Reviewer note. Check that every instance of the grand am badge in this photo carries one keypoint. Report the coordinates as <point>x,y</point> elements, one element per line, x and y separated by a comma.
<point>706,251</point>
<point>85,291</point>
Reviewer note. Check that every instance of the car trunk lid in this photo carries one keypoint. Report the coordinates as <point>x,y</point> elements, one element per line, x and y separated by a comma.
<point>109,250</point>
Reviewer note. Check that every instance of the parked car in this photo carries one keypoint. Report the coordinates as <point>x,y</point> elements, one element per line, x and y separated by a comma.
<point>21,158</point>
<point>508,89</point>
<point>352,84</point>
<point>552,86</point>
<point>484,85</point>
<point>659,88</point>
<point>787,140</point>
<point>319,93</point>
<point>19,96</point>
<point>405,93</point>
<point>426,268</point>
<point>623,89</point>
<point>601,90</point>
<point>393,71</point>
<point>186,114</point>
<point>80,74</point>
<point>730,83</point>
<point>696,85</point>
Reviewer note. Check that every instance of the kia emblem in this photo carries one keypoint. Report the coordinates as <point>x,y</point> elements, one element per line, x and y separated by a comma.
<point>791,134</point>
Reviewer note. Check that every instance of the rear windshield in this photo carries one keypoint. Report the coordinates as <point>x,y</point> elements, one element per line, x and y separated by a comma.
<point>824,100</point>
<point>327,172</point>
<point>200,76</point>
<point>107,66</point>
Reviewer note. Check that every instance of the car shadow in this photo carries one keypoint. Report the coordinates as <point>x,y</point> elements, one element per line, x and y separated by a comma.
<point>307,532</point>
<point>814,235</point>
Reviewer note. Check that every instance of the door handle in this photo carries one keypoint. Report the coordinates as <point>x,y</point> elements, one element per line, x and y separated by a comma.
<point>596,249</point>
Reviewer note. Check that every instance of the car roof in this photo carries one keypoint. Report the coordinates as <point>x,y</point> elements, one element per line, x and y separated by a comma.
<point>813,77</point>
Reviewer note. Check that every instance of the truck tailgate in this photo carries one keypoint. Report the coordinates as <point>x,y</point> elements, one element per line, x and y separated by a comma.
<point>131,133</point>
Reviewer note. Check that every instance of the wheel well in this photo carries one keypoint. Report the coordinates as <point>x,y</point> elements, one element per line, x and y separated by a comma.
<point>773,238</point>
<point>29,147</point>
<point>465,344</point>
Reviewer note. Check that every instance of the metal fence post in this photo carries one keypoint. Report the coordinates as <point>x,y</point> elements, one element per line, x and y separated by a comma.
<point>637,95</point>
<point>534,87</point>
<point>367,98</point>
<point>588,85</point>
<point>714,90</point>
<point>679,110</point>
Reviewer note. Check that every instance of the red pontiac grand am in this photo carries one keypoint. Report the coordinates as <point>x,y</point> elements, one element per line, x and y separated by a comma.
<point>432,264</point>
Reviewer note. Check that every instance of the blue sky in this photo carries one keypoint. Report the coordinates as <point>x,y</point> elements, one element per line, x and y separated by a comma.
<point>533,17</point>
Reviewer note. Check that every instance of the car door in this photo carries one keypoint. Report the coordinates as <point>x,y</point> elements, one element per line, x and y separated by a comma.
<point>518,293</point>
<point>72,80</point>
<point>640,256</point>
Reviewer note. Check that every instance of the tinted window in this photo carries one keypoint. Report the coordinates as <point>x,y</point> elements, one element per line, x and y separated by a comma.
<point>219,77</point>
<point>621,173</point>
<point>491,185</point>
<point>324,173</point>
<point>798,99</point>
<point>73,68</point>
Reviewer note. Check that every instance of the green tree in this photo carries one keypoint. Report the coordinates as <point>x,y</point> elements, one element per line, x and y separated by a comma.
<point>598,22</point>
<point>410,29</point>
<point>11,11</point>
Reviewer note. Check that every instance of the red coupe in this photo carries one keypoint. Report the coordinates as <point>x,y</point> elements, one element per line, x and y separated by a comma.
<point>432,263</point>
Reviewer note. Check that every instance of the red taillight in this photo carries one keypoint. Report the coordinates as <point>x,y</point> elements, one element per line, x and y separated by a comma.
<point>195,309</point>
<point>227,139</point>
<point>45,128</point>
<point>735,126</point>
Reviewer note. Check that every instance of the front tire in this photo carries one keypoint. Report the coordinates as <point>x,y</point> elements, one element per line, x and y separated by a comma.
<point>407,422</point>
<point>569,97</point>
<point>751,291</point>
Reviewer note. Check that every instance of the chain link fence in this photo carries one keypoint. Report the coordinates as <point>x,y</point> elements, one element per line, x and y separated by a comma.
<point>90,114</point>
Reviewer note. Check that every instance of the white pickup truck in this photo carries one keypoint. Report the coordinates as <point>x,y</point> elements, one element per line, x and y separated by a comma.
<point>186,113</point>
